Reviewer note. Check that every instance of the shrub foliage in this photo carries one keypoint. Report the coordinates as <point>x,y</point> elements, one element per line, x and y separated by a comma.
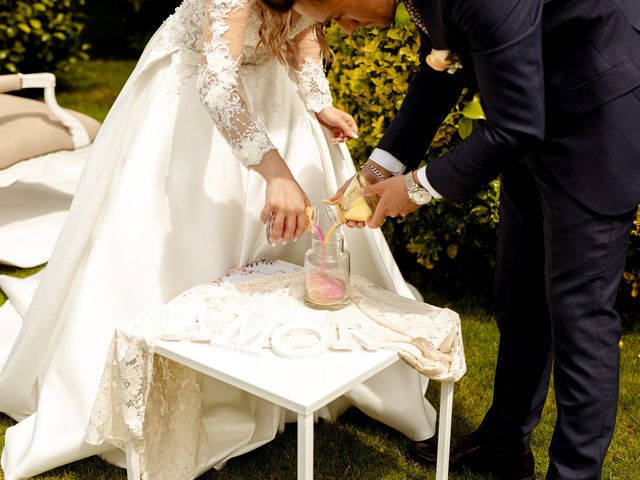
<point>442,244</point>
<point>632,270</point>
<point>41,35</point>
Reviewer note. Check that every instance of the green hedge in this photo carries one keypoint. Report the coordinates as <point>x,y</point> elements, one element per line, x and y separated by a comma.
<point>41,35</point>
<point>443,246</point>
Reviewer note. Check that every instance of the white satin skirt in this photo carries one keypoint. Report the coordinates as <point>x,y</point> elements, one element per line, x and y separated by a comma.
<point>163,205</point>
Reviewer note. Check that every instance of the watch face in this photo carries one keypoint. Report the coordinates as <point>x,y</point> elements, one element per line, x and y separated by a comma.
<point>417,194</point>
<point>420,196</point>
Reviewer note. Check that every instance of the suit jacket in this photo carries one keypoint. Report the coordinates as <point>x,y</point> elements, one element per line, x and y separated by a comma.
<point>560,78</point>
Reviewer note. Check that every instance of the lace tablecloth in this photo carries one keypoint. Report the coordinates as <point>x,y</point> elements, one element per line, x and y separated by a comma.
<point>138,386</point>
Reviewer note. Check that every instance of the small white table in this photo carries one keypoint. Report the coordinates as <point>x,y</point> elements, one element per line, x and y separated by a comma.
<point>302,386</point>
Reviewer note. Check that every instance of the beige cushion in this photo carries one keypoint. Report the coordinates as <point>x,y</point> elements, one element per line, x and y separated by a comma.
<point>10,83</point>
<point>28,129</point>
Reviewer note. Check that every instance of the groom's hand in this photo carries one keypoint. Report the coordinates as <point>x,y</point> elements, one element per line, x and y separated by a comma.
<point>371,177</point>
<point>338,195</point>
<point>393,200</point>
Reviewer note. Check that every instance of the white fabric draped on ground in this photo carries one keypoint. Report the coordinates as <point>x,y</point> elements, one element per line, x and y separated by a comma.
<point>35,196</point>
<point>162,205</point>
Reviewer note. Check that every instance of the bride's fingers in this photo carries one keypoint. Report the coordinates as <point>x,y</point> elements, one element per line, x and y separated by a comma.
<point>265,214</point>
<point>340,125</point>
<point>348,125</point>
<point>277,227</point>
<point>289,228</point>
<point>339,137</point>
<point>353,126</point>
<point>302,224</point>
<point>348,130</point>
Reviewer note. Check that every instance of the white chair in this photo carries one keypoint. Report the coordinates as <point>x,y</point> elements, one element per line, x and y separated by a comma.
<point>42,152</point>
<point>34,132</point>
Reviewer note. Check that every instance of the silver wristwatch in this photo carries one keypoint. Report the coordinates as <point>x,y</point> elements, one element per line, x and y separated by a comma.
<point>417,194</point>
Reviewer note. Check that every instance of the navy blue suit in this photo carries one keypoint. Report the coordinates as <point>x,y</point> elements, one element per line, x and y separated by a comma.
<point>560,86</point>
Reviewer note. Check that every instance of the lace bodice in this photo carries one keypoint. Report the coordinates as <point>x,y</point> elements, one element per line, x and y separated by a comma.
<point>218,38</point>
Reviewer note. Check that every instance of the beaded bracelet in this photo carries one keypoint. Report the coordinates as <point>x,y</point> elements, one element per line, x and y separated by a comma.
<point>375,171</point>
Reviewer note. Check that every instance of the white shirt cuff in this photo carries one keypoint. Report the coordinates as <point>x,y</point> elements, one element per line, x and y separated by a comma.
<point>422,177</point>
<point>387,161</point>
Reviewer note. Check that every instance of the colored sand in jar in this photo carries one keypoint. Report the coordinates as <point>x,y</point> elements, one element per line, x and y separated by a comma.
<point>325,289</point>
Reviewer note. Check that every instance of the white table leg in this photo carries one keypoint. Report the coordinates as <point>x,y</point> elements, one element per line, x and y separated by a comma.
<point>133,463</point>
<point>444,430</point>
<point>305,446</point>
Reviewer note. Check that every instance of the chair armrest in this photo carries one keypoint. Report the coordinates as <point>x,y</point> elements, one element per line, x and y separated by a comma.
<point>47,81</point>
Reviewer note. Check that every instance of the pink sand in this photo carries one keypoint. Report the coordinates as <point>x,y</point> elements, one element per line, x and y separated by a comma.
<point>325,288</point>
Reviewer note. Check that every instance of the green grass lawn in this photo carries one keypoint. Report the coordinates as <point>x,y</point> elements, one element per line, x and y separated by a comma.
<point>92,87</point>
<point>357,447</point>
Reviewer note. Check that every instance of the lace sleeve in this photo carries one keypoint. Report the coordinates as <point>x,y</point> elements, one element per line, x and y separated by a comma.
<point>224,31</point>
<point>309,71</point>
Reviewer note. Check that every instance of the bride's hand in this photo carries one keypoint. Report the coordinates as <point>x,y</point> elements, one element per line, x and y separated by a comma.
<point>341,124</point>
<point>286,203</point>
<point>285,207</point>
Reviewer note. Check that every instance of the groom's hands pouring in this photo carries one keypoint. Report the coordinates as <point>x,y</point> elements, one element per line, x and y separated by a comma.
<point>392,192</point>
<point>393,200</point>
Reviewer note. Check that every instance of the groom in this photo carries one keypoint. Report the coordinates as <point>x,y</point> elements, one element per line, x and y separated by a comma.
<point>560,86</point>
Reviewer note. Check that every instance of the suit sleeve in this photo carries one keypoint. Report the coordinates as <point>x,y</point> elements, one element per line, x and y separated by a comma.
<point>429,99</point>
<point>506,48</point>
<point>505,41</point>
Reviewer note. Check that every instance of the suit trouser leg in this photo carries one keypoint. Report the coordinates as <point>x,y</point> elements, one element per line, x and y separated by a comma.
<point>581,255</point>
<point>585,258</point>
<point>524,355</point>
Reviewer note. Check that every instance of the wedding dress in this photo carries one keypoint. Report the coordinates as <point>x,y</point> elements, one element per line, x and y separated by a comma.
<point>166,202</point>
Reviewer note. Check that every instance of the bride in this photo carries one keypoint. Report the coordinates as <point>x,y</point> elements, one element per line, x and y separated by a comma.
<point>218,129</point>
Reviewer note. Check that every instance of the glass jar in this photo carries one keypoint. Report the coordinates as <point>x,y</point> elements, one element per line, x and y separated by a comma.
<point>326,273</point>
<point>353,206</point>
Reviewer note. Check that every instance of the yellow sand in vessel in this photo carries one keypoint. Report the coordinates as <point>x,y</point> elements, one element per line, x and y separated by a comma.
<point>352,206</point>
<point>359,211</point>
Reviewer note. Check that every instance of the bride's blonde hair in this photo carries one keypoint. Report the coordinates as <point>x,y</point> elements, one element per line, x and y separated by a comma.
<point>275,30</point>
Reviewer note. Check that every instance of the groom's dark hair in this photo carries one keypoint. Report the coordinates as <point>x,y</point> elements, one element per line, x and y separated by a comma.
<point>279,5</point>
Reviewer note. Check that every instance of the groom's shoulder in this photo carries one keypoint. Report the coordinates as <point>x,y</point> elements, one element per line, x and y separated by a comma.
<point>631,10</point>
<point>480,18</point>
